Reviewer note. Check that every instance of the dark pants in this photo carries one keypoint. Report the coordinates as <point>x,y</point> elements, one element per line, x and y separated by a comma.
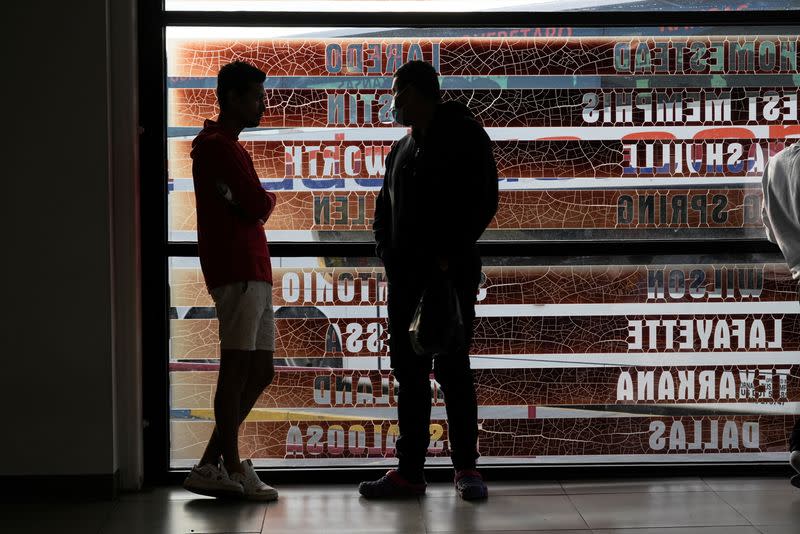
<point>407,281</point>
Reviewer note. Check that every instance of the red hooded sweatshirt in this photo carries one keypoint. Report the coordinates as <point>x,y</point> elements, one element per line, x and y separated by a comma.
<point>231,209</point>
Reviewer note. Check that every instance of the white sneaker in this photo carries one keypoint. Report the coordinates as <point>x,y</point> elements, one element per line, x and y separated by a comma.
<point>254,488</point>
<point>208,479</point>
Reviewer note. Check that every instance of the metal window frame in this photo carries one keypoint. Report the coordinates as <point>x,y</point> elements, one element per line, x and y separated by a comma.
<point>156,249</point>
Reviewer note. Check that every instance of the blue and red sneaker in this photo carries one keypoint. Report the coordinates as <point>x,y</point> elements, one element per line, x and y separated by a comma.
<point>392,485</point>
<point>470,485</point>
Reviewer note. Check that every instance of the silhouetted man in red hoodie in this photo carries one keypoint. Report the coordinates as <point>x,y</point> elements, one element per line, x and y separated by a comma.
<point>232,208</point>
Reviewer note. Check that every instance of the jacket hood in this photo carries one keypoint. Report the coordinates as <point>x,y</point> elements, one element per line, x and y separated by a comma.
<point>211,129</point>
<point>453,110</point>
<point>454,116</point>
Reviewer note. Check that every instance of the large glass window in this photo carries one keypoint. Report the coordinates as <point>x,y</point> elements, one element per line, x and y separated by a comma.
<point>633,137</point>
<point>358,6</point>
<point>602,134</point>
<point>586,362</point>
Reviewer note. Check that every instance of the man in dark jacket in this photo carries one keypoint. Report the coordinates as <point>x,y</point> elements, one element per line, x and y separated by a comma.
<point>439,195</point>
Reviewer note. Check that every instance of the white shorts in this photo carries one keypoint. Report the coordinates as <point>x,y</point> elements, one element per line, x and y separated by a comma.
<point>245,314</point>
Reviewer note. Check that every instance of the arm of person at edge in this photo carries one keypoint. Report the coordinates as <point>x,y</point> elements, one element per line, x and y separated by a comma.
<point>474,193</point>
<point>380,222</point>
<point>250,199</point>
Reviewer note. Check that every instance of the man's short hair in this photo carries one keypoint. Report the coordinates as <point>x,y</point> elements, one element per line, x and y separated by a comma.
<point>236,76</point>
<point>422,76</point>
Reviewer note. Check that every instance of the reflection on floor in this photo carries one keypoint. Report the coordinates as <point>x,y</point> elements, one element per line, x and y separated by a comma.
<point>635,506</point>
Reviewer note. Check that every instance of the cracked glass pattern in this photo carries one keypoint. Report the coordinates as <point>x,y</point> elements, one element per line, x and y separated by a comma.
<point>494,56</point>
<point>563,384</point>
<point>560,386</point>
<point>511,284</point>
<point>610,135</point>
<point>288,442</point>
<point>525,211</point>
<point>472,6</point>
<point>496,108</point>
<point>521,335</point>
<point>516,159</point>
<point>574,121</point>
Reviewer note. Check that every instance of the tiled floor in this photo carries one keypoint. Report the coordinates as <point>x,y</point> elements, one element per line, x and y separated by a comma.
<point>634,506</point>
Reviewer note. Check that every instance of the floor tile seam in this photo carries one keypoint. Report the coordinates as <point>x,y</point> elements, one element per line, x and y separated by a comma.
<point>700,479</point>
<point>269,505</point>
<point>628,492</point>
<point>706,484</point>
<point>633,530</point>
<point>743,490</point>
<point>736,510</point>
<point>710,486</point>
<point>754,525</point>
<point>422,514</point>
<point>580,514</point>
<point>747,522</point>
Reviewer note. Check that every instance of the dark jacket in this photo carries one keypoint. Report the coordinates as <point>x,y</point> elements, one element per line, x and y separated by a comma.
<point>438,196</point>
